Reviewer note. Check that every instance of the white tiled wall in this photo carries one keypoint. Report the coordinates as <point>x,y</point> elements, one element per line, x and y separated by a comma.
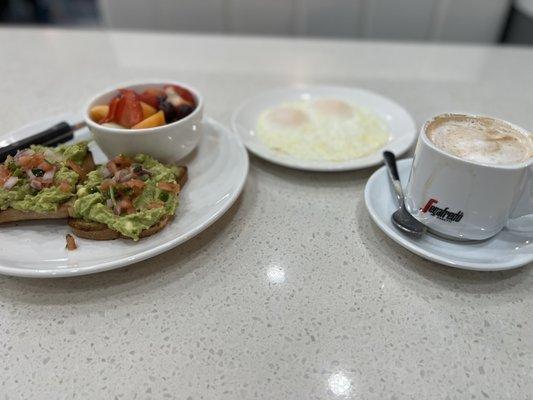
<point>461,20</point>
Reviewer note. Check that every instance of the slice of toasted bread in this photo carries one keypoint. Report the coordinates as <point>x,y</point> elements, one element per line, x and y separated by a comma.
<point>97,231</point>
<point>12,215</point>
<point>63,210</point>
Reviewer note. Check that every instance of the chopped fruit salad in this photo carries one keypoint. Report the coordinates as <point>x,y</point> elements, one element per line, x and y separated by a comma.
<point>41,178</point>
<point>149,109</point>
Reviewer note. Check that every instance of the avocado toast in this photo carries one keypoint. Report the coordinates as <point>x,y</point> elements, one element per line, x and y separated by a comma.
<point>129,197</point>
<point>40,182</point>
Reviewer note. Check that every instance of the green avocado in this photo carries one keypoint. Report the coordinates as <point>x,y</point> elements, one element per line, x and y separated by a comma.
<point>45,200</point>
<point>66,174</point>
<point>91,200</point>
<point>7,197</point>
<point>22,197</point>
<point>75,152</point>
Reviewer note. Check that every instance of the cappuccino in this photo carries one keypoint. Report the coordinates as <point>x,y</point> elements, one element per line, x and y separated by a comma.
<point>480,139</point>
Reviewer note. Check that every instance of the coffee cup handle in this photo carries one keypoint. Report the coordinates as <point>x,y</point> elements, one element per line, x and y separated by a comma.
<point>521,219</point>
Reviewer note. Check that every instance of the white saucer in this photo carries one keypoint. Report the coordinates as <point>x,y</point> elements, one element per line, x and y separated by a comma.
<point>217,172</point>
<point>507,250</point>
<point>400,122</point>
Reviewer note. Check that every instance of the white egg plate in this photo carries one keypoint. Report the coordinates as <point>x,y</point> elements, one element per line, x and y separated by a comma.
<point>400,124</point>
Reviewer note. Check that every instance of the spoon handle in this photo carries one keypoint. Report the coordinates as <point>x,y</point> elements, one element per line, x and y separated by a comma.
<point>390,161</point>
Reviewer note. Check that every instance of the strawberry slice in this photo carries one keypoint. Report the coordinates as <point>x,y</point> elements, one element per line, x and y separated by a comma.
<point>151,97</point>
<point>129,110</point>
<point>125,109</point>
<point>112,113</point>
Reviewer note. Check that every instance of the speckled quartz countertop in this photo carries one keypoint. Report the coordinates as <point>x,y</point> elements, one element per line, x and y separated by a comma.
<point>294,293</point>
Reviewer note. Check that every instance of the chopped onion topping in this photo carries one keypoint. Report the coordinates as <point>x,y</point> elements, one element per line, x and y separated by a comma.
<point>49,175</point>
<point>12,181</point>
<point>36,184</point>
<point>106,173</point>
<point>25,152</point>
<point>123,175</point>
<point>51,156</point>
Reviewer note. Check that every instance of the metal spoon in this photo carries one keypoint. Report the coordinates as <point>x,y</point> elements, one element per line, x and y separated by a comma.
<point>401,218</point>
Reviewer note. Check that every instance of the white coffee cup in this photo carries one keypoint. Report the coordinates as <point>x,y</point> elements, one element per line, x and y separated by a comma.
<point>467,200</point>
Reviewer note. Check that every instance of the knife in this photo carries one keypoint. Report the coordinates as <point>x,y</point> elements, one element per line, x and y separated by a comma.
<point>57,134</point>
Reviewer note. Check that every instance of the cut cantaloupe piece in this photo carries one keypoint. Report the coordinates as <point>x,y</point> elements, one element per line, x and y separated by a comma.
<point>148,110</point>
<point>157,119</point>
<point>97,113</point>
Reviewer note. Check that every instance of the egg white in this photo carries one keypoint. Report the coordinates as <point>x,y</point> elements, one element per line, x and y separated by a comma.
<point>322,130</point>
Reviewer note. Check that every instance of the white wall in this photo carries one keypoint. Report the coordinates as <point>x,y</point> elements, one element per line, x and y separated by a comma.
<point>450,20</point>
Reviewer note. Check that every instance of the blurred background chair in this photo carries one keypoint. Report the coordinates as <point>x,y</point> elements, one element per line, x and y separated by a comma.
<point>519,28</point>
<point>57,12</point>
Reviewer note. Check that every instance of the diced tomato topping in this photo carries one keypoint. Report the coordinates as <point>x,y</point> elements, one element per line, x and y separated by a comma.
<point>4,174</point>
<point>45,166</point>
<point>71,242</point>
<point>112,167</point>
<point>151,96</point>
<point>169,187</point>
<point>106,184</point>
<point>184,94</point>
<point>30,161</point>
<point>155,204</point>
<point>45,183</point>
<point>126,205</point>
<point>136,184</point>
<point>76,168</point>
<point>122,161</point>
<point>64,186</point>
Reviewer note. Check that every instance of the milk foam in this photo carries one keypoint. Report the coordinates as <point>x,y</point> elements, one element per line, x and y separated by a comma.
<point>483,140</point>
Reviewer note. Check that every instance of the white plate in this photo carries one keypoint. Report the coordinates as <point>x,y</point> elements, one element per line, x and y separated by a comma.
<point>217,172</point>
<point>400,123</point>
<point>506,250</point>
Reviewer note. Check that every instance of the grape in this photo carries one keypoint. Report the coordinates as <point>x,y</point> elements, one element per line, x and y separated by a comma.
<point>169,110</point>
<point>183,110</point>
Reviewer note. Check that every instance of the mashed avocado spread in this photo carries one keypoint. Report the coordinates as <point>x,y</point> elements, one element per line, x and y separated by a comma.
<point>33,190</point>
<point>135,187</point>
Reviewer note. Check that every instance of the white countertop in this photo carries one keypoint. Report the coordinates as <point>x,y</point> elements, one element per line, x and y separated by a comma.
<point>294,293</point>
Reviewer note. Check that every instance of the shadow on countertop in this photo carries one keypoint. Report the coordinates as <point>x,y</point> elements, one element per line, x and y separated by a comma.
<point>409,268</point>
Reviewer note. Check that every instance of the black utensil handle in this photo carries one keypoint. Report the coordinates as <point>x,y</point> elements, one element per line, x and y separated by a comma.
<point>390,159</point>
<point>56,134</point>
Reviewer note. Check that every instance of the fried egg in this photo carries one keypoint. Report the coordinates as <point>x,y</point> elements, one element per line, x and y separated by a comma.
<point>325,129</point>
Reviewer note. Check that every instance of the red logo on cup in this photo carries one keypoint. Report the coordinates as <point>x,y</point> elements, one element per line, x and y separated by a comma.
<point>441,213</point>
